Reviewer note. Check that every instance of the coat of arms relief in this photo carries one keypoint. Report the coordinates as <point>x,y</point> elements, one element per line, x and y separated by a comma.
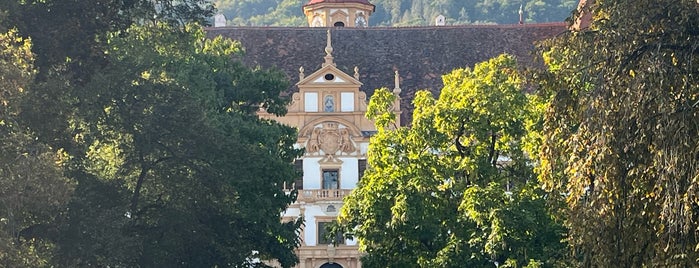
<point>330,138</point>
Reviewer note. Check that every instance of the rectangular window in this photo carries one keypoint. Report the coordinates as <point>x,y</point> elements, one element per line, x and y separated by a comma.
<point>347,101</point>
<point>311,101</point>
<point>323,234</point>
<point>298,183</point>
<point>331,179</point>
<point>361,166</point>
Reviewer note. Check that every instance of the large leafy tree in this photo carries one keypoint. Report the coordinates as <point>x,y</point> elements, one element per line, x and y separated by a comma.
<point>177,169</point>
<point>454,189</point>
<point>69,39</point>
<point>622,133</point>
<point>157,126</point>
<point>76,30</point>
<point>33,190</point>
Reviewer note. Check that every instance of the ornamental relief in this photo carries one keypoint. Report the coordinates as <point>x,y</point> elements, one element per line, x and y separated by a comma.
<point>329,139</point>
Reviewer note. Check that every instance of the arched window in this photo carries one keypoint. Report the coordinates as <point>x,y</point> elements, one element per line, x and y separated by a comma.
<point>331,265</point>
<point>339,24</point>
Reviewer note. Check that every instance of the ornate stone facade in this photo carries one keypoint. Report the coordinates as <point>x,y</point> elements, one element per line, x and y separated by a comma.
<point>328,110</point>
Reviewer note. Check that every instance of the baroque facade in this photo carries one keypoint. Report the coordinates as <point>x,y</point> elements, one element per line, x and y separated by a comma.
<point>328,105</point>
<point>328,110</point>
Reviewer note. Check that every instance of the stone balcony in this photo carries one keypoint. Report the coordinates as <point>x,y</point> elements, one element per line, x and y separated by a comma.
<point>322,195</point>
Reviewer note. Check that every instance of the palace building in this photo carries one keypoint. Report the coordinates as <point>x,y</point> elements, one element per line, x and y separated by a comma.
<point>328,111</point>
<point>346,61</point>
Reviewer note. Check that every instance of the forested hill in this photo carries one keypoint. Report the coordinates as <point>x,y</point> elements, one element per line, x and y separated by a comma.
<point>403,12</point>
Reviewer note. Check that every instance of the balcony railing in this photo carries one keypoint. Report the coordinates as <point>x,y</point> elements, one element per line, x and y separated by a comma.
<point>322,195</point>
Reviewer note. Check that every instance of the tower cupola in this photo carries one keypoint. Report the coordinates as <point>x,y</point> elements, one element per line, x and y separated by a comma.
<point>338,13</point>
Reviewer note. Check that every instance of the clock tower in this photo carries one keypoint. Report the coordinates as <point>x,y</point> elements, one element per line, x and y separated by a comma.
<point>338,13</point>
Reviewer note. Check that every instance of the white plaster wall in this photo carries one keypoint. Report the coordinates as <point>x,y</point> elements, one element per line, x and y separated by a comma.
<point>364,147</point>
<point>292,212</point>
<point>310,230</point>
<point>311,173</point>
<point>349,173</point>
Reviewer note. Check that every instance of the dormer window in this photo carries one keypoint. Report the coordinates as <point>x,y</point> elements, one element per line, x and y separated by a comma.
<point>339,24</point>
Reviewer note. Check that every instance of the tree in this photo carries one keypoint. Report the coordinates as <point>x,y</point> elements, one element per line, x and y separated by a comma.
<point>157,126</point>
<point>69,41</point>
<point>621,134</point>
<point>177,170</point>
<point>33,190</point>
<point>455,188</point>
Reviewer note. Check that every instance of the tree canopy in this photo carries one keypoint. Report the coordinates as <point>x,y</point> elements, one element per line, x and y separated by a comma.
<point>33,190</point>
<point>454,189</point>
<point>138,145</point>
<point>621,139</point>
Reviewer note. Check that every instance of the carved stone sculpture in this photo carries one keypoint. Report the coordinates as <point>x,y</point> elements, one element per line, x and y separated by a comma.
<point>330,138</point>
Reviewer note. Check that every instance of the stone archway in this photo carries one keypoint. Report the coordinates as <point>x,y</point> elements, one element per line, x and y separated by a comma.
<point>331,265</point>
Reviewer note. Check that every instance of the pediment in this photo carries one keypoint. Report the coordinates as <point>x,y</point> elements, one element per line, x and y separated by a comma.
<point>329,75</point>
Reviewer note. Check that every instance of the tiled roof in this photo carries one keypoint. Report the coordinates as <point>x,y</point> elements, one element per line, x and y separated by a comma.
<point>420,54</point>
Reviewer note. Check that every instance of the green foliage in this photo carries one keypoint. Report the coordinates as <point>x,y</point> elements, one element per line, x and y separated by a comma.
<point>175,155</point>
<point>33,190</point>
<point>74,32</point>
<point>621,134</point>
<point>381,111</point>
<point>134,142</point>
<point>403,13</point>
<point>454,189</point>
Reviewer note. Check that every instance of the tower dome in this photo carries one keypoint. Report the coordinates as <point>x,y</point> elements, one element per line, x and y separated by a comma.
<point>366,2</point>
<point>338,13</point>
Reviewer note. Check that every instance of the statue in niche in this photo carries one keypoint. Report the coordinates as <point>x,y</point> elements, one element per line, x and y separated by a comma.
<point>329,104</point>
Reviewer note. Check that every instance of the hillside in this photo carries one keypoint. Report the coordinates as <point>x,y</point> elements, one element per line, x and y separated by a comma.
<point>403,12</point>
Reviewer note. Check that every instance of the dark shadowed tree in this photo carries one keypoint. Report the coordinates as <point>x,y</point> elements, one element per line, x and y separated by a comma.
<point>177,168</point>
<point>33,190</point>
<point>622,134</point>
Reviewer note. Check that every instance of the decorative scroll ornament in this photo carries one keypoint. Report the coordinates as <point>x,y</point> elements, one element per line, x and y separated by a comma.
<point>330,139</point>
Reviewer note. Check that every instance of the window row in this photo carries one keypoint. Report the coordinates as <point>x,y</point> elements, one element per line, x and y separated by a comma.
<point>328,103</point>
<point>330,177</point>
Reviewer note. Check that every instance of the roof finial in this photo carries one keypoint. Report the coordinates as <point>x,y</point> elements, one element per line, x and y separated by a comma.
<point>329,46</point>
<point>301,74</point>
<point>520,14</point>
<point>356,73</point>
<point>396,89</point>
<point>329,51</point>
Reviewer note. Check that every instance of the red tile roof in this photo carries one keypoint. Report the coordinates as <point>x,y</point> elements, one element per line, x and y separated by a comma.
<point>421,54</point>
